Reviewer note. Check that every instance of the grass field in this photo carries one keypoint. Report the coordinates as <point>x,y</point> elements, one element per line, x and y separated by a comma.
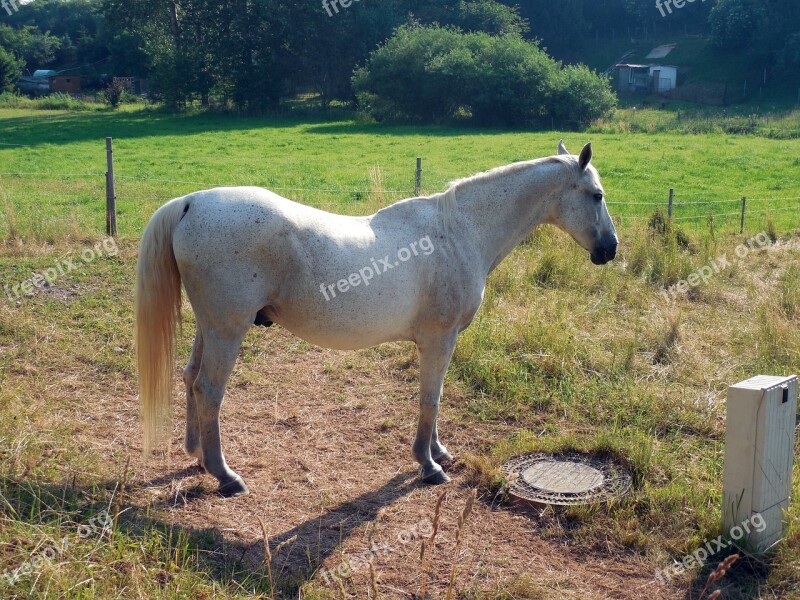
<point>563,355</point>
<point>329,164</point>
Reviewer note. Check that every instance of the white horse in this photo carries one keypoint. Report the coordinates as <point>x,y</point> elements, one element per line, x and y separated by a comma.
<point>413,271</point>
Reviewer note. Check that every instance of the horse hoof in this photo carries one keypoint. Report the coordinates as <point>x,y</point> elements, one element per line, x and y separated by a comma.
<point>233,488</point>
<point>436,478</point>
<point>444,458</point>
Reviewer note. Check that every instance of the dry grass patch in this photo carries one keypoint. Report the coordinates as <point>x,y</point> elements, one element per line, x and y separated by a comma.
<point>562,362</point>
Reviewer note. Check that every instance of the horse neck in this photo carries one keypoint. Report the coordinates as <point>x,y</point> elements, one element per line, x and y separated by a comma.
<point>501,210</point>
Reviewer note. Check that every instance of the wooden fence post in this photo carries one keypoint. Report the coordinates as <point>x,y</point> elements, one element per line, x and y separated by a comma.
<point>669,207</point>
<point>111,194</point>
<point>744,208</point>
<point>418,187</point>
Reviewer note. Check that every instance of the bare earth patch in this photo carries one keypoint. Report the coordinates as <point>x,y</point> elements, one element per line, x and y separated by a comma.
<point>322,439</point>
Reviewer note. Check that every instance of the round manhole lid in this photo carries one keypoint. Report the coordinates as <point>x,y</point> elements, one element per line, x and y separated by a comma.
<point>562,477</point>
<point>566,479</point>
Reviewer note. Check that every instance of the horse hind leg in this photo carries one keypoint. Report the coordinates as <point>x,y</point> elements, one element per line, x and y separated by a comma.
<point>191,442</point>
<point>219,357</point>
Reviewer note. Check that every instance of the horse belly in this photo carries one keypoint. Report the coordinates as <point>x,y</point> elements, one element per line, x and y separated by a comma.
<point>349,327</point>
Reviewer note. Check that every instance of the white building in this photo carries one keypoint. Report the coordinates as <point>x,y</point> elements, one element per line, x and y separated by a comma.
<point>648,79</point>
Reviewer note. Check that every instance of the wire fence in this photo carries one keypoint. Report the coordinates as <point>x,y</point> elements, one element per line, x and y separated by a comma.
<point>137,193</point>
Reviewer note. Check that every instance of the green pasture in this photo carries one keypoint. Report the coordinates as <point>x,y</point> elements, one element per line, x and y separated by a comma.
<point>563,355</point>
<point>339,165</point>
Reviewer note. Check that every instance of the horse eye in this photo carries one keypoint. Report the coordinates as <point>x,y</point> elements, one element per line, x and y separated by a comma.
<point>598,197</point>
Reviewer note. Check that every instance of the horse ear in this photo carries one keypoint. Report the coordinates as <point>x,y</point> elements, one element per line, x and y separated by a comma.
<point>562,149</point>
<point>585,157</point>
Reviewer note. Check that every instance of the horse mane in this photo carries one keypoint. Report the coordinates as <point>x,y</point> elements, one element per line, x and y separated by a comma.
<point>447,203</point>
<point>497,172</point>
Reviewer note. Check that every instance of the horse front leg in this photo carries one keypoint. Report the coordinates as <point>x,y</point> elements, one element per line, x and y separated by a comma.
<point>434,358</point>
<point>439,452</point>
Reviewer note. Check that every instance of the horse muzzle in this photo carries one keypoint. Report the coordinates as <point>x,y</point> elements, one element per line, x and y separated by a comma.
<point>604,253</point>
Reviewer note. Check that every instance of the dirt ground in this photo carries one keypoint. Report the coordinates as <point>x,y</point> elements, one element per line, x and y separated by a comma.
<point>322,439</point>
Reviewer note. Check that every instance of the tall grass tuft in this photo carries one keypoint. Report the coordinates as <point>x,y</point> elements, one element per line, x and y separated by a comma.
<point>660,255</point>
<point>789,292</point>
<point>462,520</point>
<point>429,546</point>
<point>668,340</point>
<point>772,231</point>
<point>268,555</point>
<point>373,573</point>
<point>10,213</point>
<point>267,558</point>
<point>716,575</point>
<point>376,195</point>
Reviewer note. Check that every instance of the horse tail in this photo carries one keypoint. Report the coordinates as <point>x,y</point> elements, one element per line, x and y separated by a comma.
<point>158,313</point>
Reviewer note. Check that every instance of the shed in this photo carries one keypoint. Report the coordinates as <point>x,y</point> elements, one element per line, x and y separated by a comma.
<point>70,84</point>
<point>655,79</point>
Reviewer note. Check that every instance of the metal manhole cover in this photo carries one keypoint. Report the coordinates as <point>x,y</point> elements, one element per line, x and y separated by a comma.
<point>566,479</point>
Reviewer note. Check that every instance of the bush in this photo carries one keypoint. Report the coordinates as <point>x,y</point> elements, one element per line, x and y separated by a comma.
<point>60,101</point>
<point>512,82</point>
<point>397,83</point>
<point>113,94</point>
<point>13,100</point>
<point>433,74</point>
<point>57,101</point>
<point>582,96</point>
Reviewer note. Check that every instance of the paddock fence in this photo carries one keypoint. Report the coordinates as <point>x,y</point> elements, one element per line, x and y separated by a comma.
<point>97,201</point>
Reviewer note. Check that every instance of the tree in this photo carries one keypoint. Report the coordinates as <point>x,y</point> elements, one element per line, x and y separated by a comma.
<point>37,49</point>
<point>735,22</point>
<point>561,25</point>
<point>10,70</point>
<point>789,56</point>
<point>765,33</point>
<point>491,17</point>
<point>58,33</point>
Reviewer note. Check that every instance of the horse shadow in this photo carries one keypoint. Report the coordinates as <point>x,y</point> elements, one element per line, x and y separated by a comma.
<point>317,538</point>
<point>297,553</point>
<point>236,565</point>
